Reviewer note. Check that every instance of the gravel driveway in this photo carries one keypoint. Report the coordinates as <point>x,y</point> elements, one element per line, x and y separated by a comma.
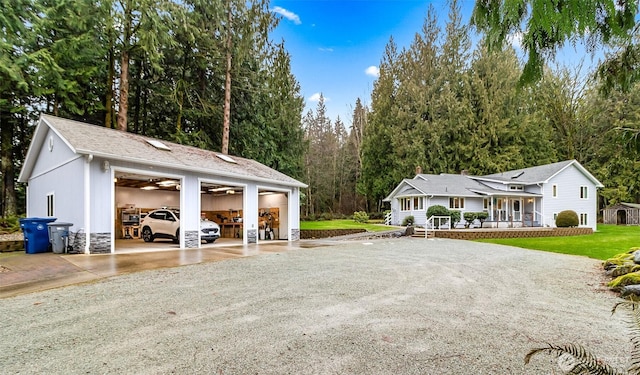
<point>392,306</point>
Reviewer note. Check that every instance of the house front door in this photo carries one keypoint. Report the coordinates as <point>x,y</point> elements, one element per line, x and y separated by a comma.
<point>501,209</point>
<point>516,210</point>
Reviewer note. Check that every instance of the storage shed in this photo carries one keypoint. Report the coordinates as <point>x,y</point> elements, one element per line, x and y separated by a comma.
<point>622,214</point>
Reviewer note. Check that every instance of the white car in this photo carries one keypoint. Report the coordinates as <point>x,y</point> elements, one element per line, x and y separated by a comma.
<point>165,223</point>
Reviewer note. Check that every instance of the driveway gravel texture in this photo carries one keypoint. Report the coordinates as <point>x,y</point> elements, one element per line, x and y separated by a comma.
<point>390,306</point>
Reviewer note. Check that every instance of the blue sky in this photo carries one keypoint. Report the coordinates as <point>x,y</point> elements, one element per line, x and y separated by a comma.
<point>334,44</point>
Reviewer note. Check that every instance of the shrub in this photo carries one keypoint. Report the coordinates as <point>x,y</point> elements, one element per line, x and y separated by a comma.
<point>326,216</point>
<point>360,217</point>
<point>437,210</point>
<point>469,217</point>
<point>455,217</point>
<point>408,221</point>
<point>376,215</point>
<point>9,224</point>
<point>566,219</point>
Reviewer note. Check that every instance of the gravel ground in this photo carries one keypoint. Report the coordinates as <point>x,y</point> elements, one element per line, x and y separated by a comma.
<point>391,306</point>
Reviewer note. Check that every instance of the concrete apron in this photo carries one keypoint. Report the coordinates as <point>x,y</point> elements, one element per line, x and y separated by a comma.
<point>22,273</point>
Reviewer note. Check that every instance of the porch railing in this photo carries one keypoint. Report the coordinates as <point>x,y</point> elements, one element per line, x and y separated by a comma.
<point>436,222</point>
<point>387,218</point>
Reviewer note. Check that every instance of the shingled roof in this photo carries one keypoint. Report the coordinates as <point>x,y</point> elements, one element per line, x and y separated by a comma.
<point>469,186</point>
<point>536,175</point>
<point>86,139</point>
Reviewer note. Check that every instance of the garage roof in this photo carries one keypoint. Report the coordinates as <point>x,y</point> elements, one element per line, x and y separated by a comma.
<point>86,139</point>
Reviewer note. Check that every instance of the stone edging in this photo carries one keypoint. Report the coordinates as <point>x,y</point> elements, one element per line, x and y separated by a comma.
<point>8,246</point>
<point>476,234</point>
<point>307,234</point>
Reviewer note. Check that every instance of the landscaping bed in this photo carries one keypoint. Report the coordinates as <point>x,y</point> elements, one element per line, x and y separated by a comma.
<point>11,242</point>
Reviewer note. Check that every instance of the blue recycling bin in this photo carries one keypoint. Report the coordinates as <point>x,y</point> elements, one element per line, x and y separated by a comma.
<point>36,234</point>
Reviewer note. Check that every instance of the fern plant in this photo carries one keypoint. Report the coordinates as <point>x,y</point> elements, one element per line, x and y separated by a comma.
<point>576,360</point>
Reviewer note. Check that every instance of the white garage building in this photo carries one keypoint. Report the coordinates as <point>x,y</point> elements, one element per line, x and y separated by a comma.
<point>104,180</point>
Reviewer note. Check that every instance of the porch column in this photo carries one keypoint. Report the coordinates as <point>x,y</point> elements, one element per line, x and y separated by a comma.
<point>490,208</point>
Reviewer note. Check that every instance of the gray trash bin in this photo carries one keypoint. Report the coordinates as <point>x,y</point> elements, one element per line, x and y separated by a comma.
<point>59,236</point>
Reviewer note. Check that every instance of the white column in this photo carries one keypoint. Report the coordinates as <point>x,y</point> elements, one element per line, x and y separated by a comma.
<point>250,213</point>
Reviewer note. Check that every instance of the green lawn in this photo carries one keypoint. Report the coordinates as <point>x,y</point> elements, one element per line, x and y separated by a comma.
<point>342,224</point>
<point>606,242</point>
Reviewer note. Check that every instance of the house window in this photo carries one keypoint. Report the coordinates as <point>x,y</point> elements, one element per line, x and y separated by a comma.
<point>418,203</point>
<point>485,204</point>
<point>583,192</point>
<point>50,205</point>
<point>583,219</point>
<point>554,191</point>
<point>456,203</point>
<point>405,204</point>
<point>516,187</point>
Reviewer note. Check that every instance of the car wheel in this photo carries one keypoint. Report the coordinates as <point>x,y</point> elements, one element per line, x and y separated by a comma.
<point>147,236</point>
<point>210,241</point>
<point>177,239</point>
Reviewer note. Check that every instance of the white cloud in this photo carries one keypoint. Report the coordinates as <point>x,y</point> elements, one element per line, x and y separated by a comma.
<point>515,39</point>
<point>372,71</point>
<point>288,15</point>
<point>316,97</point>
<point>325,49</point>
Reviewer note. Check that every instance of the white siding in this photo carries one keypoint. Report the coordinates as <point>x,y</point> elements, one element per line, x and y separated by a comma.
<point>474,204</point>
<point>102,216</point>
<point>568,184</point>
<point>471,204</point>
<point>51,158</point>
<point>68,193</point>
<point>58,172</point>
<point>395,212</point>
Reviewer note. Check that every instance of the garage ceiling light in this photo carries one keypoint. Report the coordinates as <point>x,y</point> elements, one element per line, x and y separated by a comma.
<point>220,189</point>
<point>150,187</point>
<point>167,183</point>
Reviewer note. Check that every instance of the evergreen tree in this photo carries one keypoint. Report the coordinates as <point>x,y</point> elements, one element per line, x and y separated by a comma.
<point>377,149</point>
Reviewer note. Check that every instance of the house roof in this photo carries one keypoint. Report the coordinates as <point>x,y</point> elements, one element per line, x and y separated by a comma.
<point>438,185</point>
<point>623,204</point>
<point>86,139</point>
<point>536,175</point>
<point>458,185</point>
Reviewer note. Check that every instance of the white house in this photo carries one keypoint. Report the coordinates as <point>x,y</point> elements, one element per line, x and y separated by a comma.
<point>519,198</point>
<point>103,180</point>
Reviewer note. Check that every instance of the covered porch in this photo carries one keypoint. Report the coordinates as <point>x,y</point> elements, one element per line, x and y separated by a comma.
<point>513,210</point>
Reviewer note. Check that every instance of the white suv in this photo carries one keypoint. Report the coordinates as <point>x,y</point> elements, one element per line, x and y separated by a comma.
<point>165,223</point>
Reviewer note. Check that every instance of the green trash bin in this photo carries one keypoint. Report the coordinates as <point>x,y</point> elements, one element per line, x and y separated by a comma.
<point>36,234</point>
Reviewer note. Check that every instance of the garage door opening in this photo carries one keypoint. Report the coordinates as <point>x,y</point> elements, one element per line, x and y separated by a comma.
<point>224,204</point>
<point>147,212</point>
<point>273,215</point>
